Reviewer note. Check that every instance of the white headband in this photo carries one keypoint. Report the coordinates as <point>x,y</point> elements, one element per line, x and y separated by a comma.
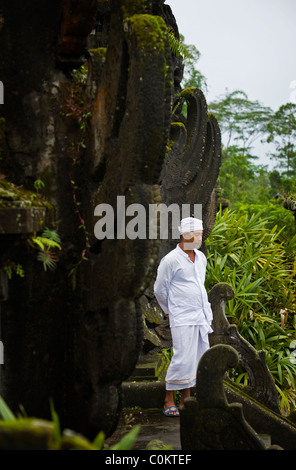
<point>190,224</point>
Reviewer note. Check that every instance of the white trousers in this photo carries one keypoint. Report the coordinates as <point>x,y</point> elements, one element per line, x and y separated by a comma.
<point>189,343</point>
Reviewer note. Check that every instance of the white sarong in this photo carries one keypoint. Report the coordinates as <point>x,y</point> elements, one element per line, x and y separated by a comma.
<point>190,342</point>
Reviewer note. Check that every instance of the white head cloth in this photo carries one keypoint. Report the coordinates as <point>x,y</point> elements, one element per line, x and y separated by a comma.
<point>190,224</point>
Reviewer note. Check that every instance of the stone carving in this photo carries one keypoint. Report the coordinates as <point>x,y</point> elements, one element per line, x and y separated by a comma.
<point>261,386</point>
<point>82,327</point>
<point>208,422</point>
<point>75,334</point>
<point>191,169</point>
<point>288,203</point>
<point>189,173</point>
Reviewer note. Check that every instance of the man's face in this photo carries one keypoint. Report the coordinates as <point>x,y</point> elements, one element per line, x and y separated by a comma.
<point>192,240</point>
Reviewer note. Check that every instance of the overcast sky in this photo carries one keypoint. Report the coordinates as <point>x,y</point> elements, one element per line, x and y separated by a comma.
<point>247,45</point>
<point>244,44</point>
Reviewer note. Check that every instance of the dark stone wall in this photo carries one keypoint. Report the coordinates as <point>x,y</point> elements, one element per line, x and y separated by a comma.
<point>74,334</point>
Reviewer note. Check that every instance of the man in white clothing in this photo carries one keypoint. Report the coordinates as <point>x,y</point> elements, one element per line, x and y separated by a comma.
<point>180,291</point>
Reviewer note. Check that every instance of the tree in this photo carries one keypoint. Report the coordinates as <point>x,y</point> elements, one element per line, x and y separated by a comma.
<point>241,180</point>
<point>247,250</point>
<point>192,77</point>
<point>281,130</point>
<point>280,186</point>
<point>241,121</point>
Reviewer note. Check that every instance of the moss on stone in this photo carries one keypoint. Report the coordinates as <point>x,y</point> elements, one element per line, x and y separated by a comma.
<point>149,31</point>
<point>38,434</point>
<point>187,92</point>
<point>12,196</point>
<point>157,444</point>
<point>99,52</point>
<point>133,7</point>
<point>178,125</point>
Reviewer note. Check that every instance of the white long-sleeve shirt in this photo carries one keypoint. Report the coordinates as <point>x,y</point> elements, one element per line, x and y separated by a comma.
<point>180,291</point>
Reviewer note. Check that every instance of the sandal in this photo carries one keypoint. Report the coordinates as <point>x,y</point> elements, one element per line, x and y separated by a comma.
<point>171,412</point>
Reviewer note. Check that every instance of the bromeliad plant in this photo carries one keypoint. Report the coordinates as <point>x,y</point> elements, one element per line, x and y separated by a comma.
<point>245,251</point>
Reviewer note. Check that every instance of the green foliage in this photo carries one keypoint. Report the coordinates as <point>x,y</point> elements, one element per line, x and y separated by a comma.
<point>245,251</point>
<point>76,105</point>
<point>11,267</point>
<point>242,123</point>
<point>57,435</point>
<point>177,47</point>
<point>38,184</point>
<point>192,76</point>
<point>241,180</point>
<point>241,120</point>
<point>253,246</point>
<point>48,243</point>
<point>5,411</point>
<point>165,356</point>
<point>99,440</point>
<point>282,132</point>
<point>56,439</point>
<point>133,7</point>
<point>248,252</point>
<point>80,75</point>
<point>127,442</point>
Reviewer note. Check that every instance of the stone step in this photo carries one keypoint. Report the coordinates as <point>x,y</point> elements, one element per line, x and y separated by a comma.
<point>150,395</point>
<point>143,372</point>
<point>143,394</point>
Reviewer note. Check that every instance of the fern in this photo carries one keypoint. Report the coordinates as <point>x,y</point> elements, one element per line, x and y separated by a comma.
<point>44,243</point>
<point>49,262</point>
<point>51,235</point>
<point>176,46</point>
<point>48,243</point>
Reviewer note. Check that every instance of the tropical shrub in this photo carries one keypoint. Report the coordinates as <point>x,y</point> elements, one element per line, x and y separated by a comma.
<point>247,250</point>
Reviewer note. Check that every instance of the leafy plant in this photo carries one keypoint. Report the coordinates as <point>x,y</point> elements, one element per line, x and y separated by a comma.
<point>56,439</point>
<point>12,267</point>
<point>48,243</point>
<point>77,107</point>
<point>165,356</point>
<point>127,442</point>
<point>5,411</point>
<point>242,121</point>
<point>76,104</point>
<point>38,184</point>
<point>177,46</point>
<point>246,251</point>
<point>282,132</point>
<point>57,435</point>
